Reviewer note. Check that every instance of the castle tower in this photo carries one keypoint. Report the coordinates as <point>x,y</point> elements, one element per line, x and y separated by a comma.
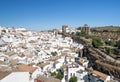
<point>86,29</point>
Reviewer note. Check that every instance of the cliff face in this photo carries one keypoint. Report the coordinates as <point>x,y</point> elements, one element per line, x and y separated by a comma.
<point>102,63</point>
<point>98,60</point>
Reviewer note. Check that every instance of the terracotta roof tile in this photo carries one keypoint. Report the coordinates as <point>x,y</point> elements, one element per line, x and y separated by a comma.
<point>102,75</point>
<point>30,55</point>
<point>26,68</point>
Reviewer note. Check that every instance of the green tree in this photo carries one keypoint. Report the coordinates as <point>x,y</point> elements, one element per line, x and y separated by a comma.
<point>82,33</point>
<point>118,44</point>
<point>72,33</point>
<point>109,50</point>
<point>78,33</point>
<point>73,79</point>
<point>59,76</point>
<point>4,31</point>
<point>96,42</point>
<point>112,43</point>
<point>53,73</point>
<point>54,53</point>
<point>94,30</point>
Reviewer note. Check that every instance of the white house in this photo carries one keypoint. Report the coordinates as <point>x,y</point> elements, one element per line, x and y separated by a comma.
<point>73,68</point>
<point>81,75</point>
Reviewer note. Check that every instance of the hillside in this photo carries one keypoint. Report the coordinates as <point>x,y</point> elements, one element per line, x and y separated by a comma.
<point>106,28</point>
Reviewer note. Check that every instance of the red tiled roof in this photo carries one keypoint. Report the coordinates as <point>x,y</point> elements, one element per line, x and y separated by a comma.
<point>30,55</point>
<point>26,68</point>
<point>102,75</point>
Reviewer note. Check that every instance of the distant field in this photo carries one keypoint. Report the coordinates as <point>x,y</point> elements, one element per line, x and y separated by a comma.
<point>106,28</point>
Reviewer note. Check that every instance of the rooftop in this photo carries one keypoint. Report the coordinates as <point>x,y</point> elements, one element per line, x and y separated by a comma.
<point>100,74</point>
<point>26,68</point>
<point>50,79</point>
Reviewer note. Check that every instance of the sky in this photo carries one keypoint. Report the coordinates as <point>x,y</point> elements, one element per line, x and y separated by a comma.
<point>51,14</point>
